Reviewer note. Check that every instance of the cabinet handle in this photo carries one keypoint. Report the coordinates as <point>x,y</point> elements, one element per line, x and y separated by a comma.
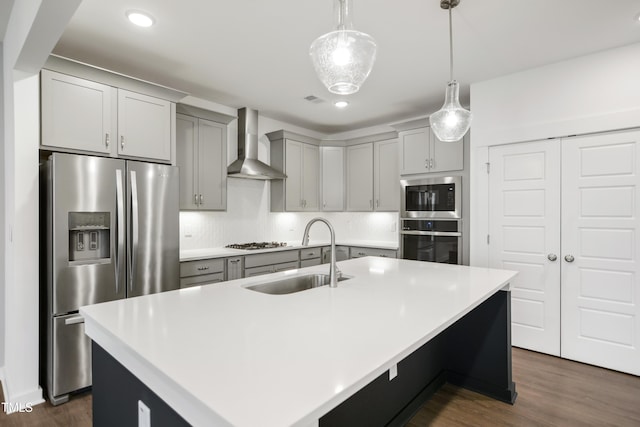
<point>569,258</point>
<point>426,163</point>
<point>430,163</point>
<point>552,257</point>
<point>377,203</point>
<point>370,203</point>
<point>106,139</point>
<point>122,142</point>
<point>361,253</point>
<point>201,199</point>
<point>203,268</point>
<point>234,261</point>
<point>195,199</point>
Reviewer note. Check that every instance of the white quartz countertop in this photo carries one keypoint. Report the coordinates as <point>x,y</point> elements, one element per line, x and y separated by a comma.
<point>224,355</point>
<point>207,253</point>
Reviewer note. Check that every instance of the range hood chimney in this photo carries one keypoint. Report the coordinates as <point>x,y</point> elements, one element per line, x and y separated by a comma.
<point>248,165</point>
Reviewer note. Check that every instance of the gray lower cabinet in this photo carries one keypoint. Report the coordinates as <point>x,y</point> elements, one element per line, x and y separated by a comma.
<point>342,253</point>
<point>310,257</point>
<point>193,273</point>
<point>270,262</point>
<point>358,252</point>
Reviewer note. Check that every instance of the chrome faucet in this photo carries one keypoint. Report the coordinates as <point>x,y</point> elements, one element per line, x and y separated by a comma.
<point>333,270</point>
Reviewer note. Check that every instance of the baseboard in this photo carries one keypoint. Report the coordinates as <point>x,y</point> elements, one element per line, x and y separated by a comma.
<point>21,402</point>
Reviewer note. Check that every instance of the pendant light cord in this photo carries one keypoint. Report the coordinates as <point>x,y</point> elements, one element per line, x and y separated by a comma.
<point>450,45</point>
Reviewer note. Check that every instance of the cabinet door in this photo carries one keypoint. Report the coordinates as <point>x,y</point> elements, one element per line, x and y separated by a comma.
<point>332,178</point>
<point>186,159</point>
<point>310,176</point>
<point>293,168</point>
<point>414,151</point>
<point>387,178</point>
<point>212,165</point>
<point>144,126</point>
<point>77,114</point>
<point>445,156</point>
<point>360,177</point>
<point>600,284</point>
<point>524,227</point>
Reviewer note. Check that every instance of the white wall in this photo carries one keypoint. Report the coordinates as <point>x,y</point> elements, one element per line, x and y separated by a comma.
<point>33,28</point>
<point>593,93</point>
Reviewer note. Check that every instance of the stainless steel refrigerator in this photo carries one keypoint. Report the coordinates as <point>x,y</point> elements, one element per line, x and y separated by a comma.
<point>111,232</point>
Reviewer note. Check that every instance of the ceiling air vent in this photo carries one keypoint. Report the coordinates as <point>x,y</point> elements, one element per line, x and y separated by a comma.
<point>314,99</point>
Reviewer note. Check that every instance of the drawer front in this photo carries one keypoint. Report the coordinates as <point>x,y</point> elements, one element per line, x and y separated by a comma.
<point>310,262</point>
<point>205,266</point>
<point>267,269</point>
<point>201,280</point>
<point>270,258</point>
<point>356,252</point>
<point>309,253</point>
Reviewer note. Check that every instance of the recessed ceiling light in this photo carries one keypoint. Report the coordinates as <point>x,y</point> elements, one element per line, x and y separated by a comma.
<point>341,104</point>
<point>141,19</point>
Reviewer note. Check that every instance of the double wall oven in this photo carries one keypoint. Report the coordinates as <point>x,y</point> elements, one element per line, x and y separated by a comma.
<point>431,216</point>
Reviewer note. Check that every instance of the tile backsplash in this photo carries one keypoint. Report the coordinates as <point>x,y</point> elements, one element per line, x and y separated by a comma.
<point>248,219</point>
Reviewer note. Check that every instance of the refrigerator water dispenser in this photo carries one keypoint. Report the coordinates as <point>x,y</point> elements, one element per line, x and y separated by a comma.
<point>89,237</point>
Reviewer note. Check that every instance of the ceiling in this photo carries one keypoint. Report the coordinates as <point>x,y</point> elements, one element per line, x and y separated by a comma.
<point>254,53</point>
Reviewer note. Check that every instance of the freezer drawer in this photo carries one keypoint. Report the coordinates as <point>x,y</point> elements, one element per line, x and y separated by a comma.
<point>70,357</point>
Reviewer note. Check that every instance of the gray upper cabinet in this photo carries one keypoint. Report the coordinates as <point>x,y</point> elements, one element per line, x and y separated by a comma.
<point>201,155</point>
<point>373,181</point>
<point>332,161</point>
<point>144,126</point>
<point>386,176</point>
<point>85,116</point>
<point>300,161</point>
<point>422,152</point>
<point>78,114</point>
<point>360,177</point>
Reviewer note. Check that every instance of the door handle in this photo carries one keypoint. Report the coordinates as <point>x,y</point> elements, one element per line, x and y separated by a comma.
<point>201,199</point>
<point>569,258</point>
<point>119,252</point>
<point>195,199</point>
<point>552,257</point>
<point>74,320</point>
<point>134,228</point>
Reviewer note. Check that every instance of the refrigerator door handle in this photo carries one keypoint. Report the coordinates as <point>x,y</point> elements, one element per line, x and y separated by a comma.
<point>134,228</point>
<point>120,226</point>
<point>74,320</point>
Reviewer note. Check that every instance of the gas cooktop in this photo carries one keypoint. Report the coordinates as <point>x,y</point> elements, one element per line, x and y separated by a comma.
<point>256,245</point>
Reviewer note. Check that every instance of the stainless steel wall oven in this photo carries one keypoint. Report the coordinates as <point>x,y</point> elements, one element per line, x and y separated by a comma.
<point>432,240</point>
<point>431,213</point>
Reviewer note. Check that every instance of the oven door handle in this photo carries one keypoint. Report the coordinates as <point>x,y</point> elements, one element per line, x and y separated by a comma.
<point>431,233</point>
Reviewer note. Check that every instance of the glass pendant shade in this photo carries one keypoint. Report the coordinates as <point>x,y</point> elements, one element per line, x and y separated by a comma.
<point>451,122</point>
<point>343,58</point>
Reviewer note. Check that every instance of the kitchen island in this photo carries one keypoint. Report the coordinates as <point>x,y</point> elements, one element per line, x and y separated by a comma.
<point>368,352</point>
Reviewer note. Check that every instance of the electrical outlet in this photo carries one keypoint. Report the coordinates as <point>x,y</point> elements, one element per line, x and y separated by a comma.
<point>144,415</point>
<point>393,372</point>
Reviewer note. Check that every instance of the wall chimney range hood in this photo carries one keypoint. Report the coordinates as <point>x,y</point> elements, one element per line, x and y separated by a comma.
<point>248,166</point>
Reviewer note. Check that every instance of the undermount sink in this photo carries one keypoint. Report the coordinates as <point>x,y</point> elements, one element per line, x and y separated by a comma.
<point>290,285</point>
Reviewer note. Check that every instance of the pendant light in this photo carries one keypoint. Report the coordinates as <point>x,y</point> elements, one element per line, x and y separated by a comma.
<point>343,58</point>
<point>451,122</point>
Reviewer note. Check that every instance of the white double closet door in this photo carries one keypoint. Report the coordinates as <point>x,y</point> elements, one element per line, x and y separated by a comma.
<point>564,213</point>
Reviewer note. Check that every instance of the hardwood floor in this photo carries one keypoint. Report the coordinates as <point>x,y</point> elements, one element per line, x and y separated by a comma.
<point>551,392</point>
<point>75,413</point>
